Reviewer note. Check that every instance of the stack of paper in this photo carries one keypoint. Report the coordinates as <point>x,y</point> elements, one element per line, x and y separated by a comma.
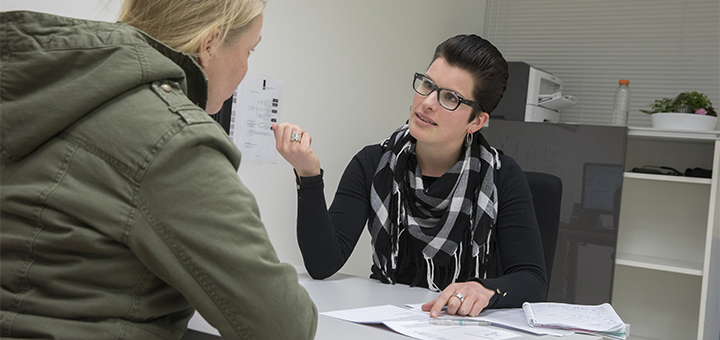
<point>599,320</point>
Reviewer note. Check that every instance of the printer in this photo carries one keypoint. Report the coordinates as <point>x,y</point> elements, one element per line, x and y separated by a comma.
<point>531,95</point>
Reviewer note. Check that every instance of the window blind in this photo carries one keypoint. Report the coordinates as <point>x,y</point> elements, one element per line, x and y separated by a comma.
<point>663,47</point>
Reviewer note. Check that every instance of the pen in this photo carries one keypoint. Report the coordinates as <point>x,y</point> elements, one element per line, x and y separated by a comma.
<point>458,322</point>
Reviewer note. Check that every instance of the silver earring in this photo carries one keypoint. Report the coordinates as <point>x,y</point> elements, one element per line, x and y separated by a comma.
<point>468,139</point>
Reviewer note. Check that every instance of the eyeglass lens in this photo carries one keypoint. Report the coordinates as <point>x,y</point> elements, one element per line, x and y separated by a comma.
<point>447,99</point>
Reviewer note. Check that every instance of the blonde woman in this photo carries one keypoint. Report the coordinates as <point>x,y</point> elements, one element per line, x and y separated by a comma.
<point>122,211</point>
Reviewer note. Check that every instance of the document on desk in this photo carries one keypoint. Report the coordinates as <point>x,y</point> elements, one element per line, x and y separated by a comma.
<point>600,319</point>
<point>377,314</point>
<point>423,330</point>
<point>513,318</point>
<point>416,324</point>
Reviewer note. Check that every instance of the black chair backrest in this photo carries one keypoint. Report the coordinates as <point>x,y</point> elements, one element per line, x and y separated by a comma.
<point>546,192</point>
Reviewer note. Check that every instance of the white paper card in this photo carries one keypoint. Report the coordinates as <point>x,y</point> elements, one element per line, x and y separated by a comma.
<point>257,104</point>
<point>377,314</point>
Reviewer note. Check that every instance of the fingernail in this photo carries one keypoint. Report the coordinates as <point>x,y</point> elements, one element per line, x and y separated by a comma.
<point>434,314</point>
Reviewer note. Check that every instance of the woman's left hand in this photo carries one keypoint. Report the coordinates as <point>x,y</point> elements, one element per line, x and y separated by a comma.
<point>297,152</point>
<point>475,297</point>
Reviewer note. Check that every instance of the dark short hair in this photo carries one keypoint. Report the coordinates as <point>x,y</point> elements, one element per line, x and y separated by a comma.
<point>483,61</point>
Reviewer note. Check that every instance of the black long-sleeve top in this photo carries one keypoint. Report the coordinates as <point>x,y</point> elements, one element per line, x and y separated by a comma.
<point>328,237</point>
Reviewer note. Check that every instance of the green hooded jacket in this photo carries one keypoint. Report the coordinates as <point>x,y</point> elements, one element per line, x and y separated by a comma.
<point>122,210</point>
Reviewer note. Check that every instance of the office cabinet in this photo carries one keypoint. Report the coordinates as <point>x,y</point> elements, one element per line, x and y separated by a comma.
<point>667,265</point>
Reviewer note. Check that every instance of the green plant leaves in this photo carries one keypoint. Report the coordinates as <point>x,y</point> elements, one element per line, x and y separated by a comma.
<point>693,99</point>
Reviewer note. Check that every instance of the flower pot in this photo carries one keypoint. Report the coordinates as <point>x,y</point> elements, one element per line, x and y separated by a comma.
<point>683,121</point>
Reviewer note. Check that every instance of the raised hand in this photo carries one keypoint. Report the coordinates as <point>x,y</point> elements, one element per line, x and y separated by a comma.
<point>293,143</point>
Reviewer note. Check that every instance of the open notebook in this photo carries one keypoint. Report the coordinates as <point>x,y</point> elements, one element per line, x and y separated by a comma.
<point>600,319</point>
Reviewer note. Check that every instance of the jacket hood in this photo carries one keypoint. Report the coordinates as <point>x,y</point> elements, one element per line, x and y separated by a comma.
<point>55,70</point>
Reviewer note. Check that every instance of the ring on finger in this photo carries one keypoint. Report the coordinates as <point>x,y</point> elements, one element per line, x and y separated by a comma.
<point>295,136</point>
<point>459,296</point>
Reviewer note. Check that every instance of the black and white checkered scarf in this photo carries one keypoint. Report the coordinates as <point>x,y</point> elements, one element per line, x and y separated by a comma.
<point>452,220</point>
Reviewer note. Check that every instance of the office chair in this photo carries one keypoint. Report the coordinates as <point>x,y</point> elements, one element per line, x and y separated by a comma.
<point>546,191</point>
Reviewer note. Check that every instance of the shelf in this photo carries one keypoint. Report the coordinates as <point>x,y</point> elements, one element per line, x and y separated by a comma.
<point>667,178</point>
<point>676,134</point>
<point>656,263</point>
<point>666,232</point>
<point>641,298</point>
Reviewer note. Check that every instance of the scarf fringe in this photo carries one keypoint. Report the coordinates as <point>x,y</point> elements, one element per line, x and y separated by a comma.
<point>431,275</point>
<point>430,272</point>
<point>457,256</point>
<point>477,266</point>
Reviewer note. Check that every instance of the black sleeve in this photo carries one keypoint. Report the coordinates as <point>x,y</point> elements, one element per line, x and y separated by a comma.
<point>328,237</point>
<point>519,242</point>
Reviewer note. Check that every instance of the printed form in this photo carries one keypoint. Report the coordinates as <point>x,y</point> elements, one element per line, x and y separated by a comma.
<point>257,104</point>
<point>415,324</point>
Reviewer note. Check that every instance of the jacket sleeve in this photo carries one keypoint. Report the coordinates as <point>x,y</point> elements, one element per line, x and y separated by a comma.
<point>198,228</point>
<point>328,237</point>
<point>518,236</point>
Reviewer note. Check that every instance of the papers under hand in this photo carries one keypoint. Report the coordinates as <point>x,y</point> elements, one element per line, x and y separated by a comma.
<point>416,324</point>
<point>426,331</point>
<point>458,322</point>
<point>600,319</point>
<point>511,318</point>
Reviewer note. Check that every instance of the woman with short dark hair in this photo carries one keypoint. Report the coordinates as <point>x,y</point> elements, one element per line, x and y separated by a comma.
<point>444,209</point>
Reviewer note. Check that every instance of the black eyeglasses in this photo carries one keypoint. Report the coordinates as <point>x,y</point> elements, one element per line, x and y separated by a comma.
<point>448,99</point>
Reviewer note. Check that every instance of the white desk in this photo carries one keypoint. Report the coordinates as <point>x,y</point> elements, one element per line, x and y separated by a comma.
<point>345,292</point>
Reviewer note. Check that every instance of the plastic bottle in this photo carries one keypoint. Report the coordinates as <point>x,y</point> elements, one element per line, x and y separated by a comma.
<point>622,103</point>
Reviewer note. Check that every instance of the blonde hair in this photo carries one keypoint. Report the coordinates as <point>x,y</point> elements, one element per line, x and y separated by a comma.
<point>184,24</point>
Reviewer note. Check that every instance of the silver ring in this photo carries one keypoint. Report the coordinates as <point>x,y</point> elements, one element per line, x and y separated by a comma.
<point>295,136</point>
<point>459,296</point>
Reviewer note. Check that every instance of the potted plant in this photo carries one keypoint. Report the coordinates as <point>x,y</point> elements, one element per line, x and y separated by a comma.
<point>687,111</point>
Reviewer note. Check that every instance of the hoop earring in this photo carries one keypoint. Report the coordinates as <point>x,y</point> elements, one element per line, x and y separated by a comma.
<point>468,139</point>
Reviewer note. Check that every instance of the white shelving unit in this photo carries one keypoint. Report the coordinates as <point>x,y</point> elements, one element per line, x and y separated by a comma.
<point>667,273</point>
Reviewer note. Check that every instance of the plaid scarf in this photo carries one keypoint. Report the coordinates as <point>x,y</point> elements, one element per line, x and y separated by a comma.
<point>452,220</point>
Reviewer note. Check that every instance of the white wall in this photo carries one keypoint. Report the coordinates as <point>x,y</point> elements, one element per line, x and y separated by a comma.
<point>105,10</point>
<point>347,68</point>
